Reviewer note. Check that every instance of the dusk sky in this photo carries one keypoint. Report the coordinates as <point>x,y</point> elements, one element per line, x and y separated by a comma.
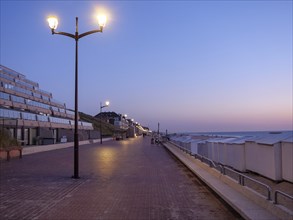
<point>190,65</point>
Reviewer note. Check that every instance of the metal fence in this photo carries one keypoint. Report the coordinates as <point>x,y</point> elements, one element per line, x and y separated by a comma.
<point>247,181</point>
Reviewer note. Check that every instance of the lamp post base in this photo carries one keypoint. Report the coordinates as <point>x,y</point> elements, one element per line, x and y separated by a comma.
<point>75,177</point>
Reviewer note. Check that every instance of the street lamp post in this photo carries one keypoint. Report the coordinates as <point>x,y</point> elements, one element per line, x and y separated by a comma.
<point>53,23</point>
<point>107,103</point>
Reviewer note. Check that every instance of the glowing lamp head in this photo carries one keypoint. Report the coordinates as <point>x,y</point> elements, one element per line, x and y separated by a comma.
<point>53,22</point>
<point>107,103</point>
<point>102,19</point>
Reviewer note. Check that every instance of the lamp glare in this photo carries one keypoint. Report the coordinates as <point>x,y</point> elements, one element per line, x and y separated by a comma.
<point>102,19</point>
<point>53,22</point>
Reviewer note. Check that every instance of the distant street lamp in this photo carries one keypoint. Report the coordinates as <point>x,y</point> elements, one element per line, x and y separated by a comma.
<point>107,103</point>
<point>53,23</point>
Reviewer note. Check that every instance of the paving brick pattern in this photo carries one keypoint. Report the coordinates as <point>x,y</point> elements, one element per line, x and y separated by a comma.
<point>129,179</point>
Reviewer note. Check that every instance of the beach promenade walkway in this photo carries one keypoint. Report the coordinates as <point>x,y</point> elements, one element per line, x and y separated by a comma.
<point>129,179</point>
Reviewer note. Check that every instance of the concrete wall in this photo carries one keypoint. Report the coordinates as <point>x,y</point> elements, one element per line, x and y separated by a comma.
<point>222,153</point>
<point>264,159</point>
<point>236,156</point>
<point>194,148</point>
<point>209,150</point>
<point>203,149</point>
<point>213,151</point>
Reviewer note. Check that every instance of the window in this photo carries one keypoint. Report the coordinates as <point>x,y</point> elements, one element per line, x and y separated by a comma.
<point>24,84</point>
<point>59,120</point>
<point>37,95</point>
<point>28,116</point>
<point>7,113</point>
<point>37,104</point>
<point>45,98</point>
<point>55,109</point>
<point>4,96</point>
<point>8,86</point>
<point>6,77</point>
<point>17,89</point>
<point>42,118</point>
<point>17,99</point>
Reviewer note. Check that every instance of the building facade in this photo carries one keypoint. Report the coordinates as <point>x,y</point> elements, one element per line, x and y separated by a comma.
<point>32,115</point>
<point>124,127</point>
<point>117,120</point>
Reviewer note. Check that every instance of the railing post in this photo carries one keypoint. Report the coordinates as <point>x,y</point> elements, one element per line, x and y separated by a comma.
<point>239,179</point>
<point>269,194</point>
<point>275,197</point>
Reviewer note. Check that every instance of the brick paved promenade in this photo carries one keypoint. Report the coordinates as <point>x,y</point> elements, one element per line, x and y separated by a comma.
<point>129,179</point>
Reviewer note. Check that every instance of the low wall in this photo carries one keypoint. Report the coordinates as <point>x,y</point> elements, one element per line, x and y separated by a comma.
<point>42,148</point>
<point>6,155</point>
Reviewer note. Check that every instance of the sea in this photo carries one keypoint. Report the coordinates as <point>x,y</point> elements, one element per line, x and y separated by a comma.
<point>239,134</point>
